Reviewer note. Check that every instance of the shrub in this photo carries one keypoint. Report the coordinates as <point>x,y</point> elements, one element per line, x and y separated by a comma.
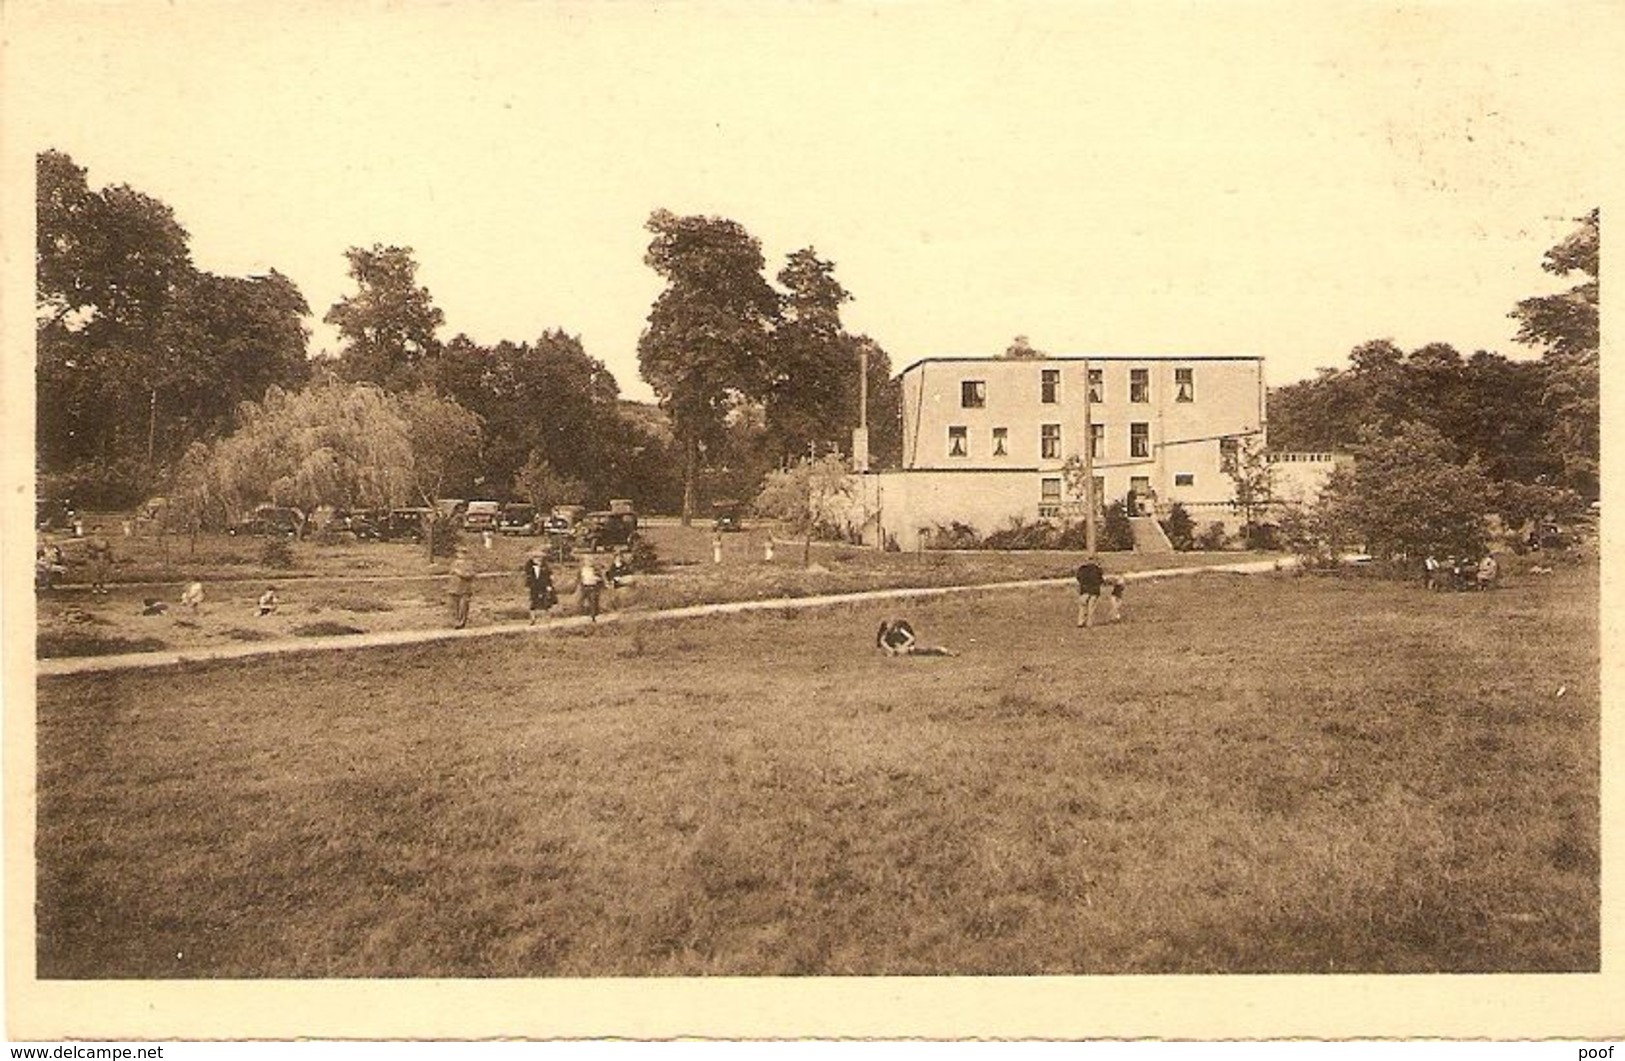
<point>1213,538</point>
<point>643,557</point>
<point>1116,533</point>
<point>276,553</point>
<point>1022,535</point>
<point>1180,528</point>
<point>444,537</point>
<point>955,535</point>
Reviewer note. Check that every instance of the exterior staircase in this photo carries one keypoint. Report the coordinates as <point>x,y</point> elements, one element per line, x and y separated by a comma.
<point>1149,536</point>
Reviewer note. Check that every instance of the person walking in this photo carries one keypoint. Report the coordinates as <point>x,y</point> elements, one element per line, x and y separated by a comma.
<point>460,587</point>
<point>539,581</point>
<point>1090,578</point>
<point>99,551</point>
<point>590,586</point>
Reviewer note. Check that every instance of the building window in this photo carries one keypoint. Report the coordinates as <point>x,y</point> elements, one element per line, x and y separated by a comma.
<point>973,393</point>
<point>1139,385</point>
<point>1097,384</point>
<point>1050,386</point>
<point>1097,441</point>
<point>1049,498</point>
<point>958,442</point>
<point>1184,385</point>
<point>1139,440</point>
<point>1184,479</point>
<point>1001,439</point>
<point>1049,442</point>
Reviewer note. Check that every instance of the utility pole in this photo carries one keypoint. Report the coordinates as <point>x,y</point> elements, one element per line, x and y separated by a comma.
<point>1088,458</point>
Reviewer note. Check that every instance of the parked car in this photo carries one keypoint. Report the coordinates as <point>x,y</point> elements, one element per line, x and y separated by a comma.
<point>405,524</point>
<point>563,519</point>
<point>517,518</point>
<point>368,524</point>
<point>451,508</point>
<point>606,530</point>
<point>728,515</point>
<point>53,513</point>
<point>481,515</point>
<point>271,521</point>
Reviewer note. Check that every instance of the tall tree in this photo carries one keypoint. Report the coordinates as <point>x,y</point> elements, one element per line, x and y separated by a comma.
<point>1566,325</point>
<point>140,354</point>
<point>1409,494</point>
<point>807,405</point>
<point>706,344</point>
<point>389,324</point>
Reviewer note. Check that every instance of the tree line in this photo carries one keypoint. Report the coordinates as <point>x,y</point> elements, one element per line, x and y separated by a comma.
<point>1441,442</point>
<point>155,376</point>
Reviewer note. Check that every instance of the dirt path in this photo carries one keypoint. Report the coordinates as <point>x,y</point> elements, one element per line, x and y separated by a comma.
<point>170,658</point>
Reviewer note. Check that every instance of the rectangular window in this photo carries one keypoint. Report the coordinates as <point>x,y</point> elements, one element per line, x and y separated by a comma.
<point>1001,440</point>
<point>1097,441</point>
<point>1139,385</point>
<point>1049,442</point>
<point>973,393</point>
<point>958,442</point>
<point>1097,384</point>
<point>1184,479</point>
<point>1184,385</point>
<point>1050,386</point>
<point>1049,497</point>
<point>1139,440</point>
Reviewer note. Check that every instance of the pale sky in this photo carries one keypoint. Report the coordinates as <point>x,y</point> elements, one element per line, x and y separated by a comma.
<point>1165,178</point>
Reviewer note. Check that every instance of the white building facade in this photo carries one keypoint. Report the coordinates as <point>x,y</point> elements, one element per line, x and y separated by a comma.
<point>987,441</point>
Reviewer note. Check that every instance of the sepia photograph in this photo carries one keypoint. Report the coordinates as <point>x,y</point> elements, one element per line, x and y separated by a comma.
<point>851,519</point>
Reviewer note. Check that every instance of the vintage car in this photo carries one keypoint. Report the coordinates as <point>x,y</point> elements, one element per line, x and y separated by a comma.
<point>481,515</point>
<point>606,530</point>
<point>271,521</point>
<point>728,515</point>
<point>405,524</point>
<point>517,518</point>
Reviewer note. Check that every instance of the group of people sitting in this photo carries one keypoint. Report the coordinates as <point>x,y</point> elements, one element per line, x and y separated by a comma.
<point>1459,573</point>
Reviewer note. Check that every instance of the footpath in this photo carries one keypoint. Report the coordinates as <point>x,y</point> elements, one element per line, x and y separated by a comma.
<point>171,658</point>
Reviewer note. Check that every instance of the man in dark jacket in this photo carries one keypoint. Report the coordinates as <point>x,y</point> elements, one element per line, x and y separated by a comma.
<point>1090,579</point>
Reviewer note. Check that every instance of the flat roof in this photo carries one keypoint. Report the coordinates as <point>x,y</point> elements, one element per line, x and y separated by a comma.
<point>986,358</point>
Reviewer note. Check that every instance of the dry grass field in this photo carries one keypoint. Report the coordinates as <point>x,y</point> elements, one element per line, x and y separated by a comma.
<point>375,587</point>
<point>1251,774</point>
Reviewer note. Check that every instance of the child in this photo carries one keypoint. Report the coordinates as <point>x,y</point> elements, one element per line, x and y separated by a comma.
<point>1116,615</point>
<point>590,585</point>
<point>192,596</point>
<point>269,600</point>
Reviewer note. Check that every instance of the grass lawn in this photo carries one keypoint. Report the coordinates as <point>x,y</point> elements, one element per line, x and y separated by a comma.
<point>1251,774</point>
<point>374,586</point>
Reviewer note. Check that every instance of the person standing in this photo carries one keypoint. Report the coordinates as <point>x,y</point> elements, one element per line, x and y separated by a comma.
<point>99,551</point>
<point>1090,578</point>
<point>590,585</point>
<point>539,581</point>
<point>1116,613</point>
<point>460,587</point>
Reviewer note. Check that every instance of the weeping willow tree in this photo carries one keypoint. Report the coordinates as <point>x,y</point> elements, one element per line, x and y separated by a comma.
<point>350,445</point>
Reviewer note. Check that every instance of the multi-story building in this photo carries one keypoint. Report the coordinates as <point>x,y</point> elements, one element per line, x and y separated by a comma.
<point>987,441</point>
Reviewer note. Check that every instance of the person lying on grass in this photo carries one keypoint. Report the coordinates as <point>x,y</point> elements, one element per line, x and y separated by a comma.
<point>896,638</point>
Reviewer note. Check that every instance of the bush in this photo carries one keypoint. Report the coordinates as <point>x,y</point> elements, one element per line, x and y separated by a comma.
<point>1213,538</point>
<point>955,535</point>
<point>1116,533</point>
<point>643,557</point>
<point>1180,528</point>
<point>1023,535</point>
<point>444,537</point>
<point>276,553</point>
